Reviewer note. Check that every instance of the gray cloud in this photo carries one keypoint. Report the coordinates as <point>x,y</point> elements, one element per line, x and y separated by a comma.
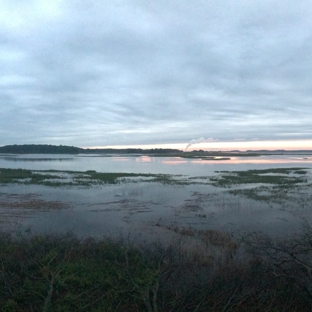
<point>142,72</point>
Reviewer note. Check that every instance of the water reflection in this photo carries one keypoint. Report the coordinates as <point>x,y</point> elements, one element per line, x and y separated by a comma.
<point>138,207</point>
<point>144,159</point>
<point>176,161</point>
<point>119,158</point>
<point>255,160</point>
<point>268,160</point>
<point>147,164</point>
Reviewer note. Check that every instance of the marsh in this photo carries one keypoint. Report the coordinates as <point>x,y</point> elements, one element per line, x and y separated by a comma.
<point>142,196</point>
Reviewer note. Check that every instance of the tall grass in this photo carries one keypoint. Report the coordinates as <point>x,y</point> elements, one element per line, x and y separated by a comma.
<point>53,273</point>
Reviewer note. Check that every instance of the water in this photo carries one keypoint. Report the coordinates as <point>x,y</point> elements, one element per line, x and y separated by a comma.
<point>147,209</point>
<point>154,165</point>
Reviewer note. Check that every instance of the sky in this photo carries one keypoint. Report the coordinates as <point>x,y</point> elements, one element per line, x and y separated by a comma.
<point>202,73</point>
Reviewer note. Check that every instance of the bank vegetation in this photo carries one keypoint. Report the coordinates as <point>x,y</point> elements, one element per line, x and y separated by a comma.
<point>62,273</point>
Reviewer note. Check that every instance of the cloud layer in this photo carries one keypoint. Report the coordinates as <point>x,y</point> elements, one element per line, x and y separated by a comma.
<point>119,72</point>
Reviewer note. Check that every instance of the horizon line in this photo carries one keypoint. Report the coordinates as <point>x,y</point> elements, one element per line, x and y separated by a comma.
<point>269,145</point>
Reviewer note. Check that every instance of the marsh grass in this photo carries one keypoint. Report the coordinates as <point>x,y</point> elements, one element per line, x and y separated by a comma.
<point>87,178</point>
<point>276,176</point>
<point>279,176</point>
<point>23,176</point>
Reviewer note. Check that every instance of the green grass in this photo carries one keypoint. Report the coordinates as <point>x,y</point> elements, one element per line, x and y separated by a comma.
<point>274,183</point>
<point>23,176</point>
<point>87,178</point>
<point>276,176</point>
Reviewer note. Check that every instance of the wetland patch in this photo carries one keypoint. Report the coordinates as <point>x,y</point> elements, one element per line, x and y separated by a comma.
<point>101,202</point>
<point>286,177</point>
<point>83,178</point>
<point>271,185</point>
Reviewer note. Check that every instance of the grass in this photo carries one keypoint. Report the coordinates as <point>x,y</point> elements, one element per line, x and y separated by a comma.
<point>61,273</point>
<point>277,176</point>
<point>87,178</point>
<point>23,176</point>
<point>270,185</point>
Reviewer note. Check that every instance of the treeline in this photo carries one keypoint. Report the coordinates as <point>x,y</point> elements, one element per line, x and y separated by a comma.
<point>153,151</point>
<point>63,149</point>
<point>65,274</point>
<point>39,149</point>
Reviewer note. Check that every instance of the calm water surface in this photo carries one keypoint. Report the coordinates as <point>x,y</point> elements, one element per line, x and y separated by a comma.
<point>145,164</point>
<point>137,208</point>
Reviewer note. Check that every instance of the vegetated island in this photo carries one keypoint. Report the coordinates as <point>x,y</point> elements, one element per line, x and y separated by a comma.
<point>157,152</point>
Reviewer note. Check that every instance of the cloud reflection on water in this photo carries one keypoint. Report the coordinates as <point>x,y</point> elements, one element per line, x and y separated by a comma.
<point>143,159</point>
<point>255,160</point>
<point>120,158</point>
<point>173,161</point>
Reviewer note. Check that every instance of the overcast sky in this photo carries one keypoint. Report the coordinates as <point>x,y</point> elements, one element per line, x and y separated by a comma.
<point>98,73</point>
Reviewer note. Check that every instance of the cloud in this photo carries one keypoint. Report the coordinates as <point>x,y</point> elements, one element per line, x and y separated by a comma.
<point>132,72</point>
